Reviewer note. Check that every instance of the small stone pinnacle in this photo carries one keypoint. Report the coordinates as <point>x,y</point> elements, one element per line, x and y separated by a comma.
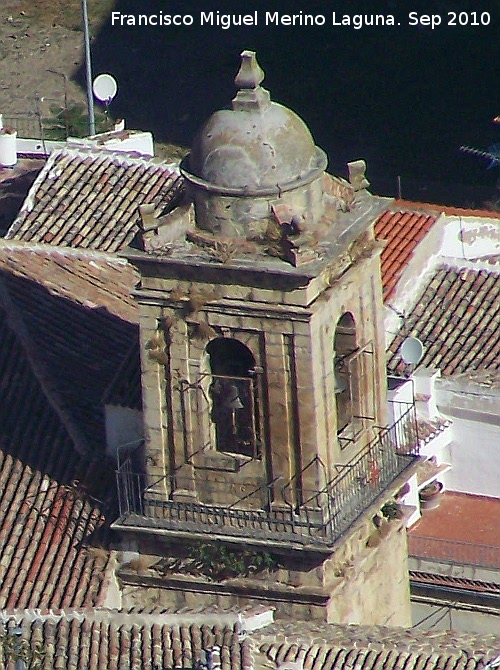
<point>250,74</point>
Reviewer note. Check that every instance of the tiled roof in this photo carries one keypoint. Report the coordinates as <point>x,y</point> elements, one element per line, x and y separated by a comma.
<point>91,199</point>
<point>485,378</point>
<point>457,318</point>
<point>44,527</point>
<point>428,429</point>
<point>134,640</point>
<point>449,581</point>
<point>462,530</point>
<point>47,491</point>
<point>66,322</point>
<point>331,646</point>
<point>75,316</point>
<point>402,231</point>
<point>446,209</point>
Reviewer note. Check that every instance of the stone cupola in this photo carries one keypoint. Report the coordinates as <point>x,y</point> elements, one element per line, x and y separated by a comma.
<point>247,159</point>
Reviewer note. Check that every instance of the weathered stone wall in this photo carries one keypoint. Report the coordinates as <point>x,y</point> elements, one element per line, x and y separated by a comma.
<point>291,336</point>
<point>364,581</point>
<point>174,396</point>
<point>374,585</point>
<point>356,292</point>
<point>238,216</point>
<point>291,343</point>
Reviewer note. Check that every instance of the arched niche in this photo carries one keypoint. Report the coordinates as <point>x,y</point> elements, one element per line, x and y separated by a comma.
<point>234,402</point>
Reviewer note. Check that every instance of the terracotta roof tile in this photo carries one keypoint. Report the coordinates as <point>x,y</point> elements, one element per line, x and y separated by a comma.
<point>429,428</point>
<point>77,319</point>
<point>402,231</point>
<point>454,582</point>
<point>70,202</point>
<point>105,639</point>
<point>457,318</point>
<point>66,323</point>
<point>332,646</point>
<point>42,527</point>
<point>135,640</point>
<point>427,207</point>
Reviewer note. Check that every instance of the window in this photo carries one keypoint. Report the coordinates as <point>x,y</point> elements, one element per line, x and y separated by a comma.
<point>233,395</point>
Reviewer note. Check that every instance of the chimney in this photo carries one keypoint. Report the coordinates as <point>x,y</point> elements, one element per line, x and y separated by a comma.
<point>8,145</point>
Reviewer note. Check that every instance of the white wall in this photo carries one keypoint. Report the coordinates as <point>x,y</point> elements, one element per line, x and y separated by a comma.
<point>470,237</point>
<point>475,448</point>
<point>475,459</point>
<point>449,616</point>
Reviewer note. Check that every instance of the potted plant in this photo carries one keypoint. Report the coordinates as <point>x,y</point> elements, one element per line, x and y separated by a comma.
<point>430,495</point>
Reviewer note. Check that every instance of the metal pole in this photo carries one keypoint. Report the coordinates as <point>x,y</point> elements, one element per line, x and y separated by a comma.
<point>88,68</point>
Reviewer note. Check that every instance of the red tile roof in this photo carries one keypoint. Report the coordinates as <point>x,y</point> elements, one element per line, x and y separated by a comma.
<point>91,199</point>
<point>463,530</point>
<point>445,209</point>
<point>457,318</point>
<point>449,581</point>
<point>76,319</point>
<point>133,640</point>
<point>44,527</point>
<point>319,646</point>
<point>66,323</point>
<point>48,505</point>
<point>462,518</point>
<point>402,231</point>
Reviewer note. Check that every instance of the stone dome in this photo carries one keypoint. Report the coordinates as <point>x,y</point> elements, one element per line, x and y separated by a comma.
<point>258,146</point>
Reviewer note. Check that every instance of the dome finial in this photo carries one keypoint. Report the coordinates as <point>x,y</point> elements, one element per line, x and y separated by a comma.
<point>250,74</point>
<point>250,95</point>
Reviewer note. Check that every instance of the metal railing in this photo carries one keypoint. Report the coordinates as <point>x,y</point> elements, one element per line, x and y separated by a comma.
<point>302,516</point>
<point>453,551</point>
<point>372,471</point>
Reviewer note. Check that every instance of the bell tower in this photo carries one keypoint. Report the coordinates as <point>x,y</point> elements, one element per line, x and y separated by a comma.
<point>262,344</point>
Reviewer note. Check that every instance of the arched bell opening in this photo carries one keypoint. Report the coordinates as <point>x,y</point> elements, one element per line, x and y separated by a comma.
<point>346,387</point>
<point>233,394</point>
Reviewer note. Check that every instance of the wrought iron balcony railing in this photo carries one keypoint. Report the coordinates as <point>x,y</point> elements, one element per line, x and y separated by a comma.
<point>305,518</point>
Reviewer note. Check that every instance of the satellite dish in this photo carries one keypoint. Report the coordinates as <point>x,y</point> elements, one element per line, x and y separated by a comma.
<point>104,88</point>
<point>412,350</point>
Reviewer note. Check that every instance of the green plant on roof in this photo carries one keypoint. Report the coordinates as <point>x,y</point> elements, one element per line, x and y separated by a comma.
<point>218,561</point>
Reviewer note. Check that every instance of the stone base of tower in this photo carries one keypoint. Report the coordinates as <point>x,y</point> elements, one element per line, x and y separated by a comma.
<point>364,581</point>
